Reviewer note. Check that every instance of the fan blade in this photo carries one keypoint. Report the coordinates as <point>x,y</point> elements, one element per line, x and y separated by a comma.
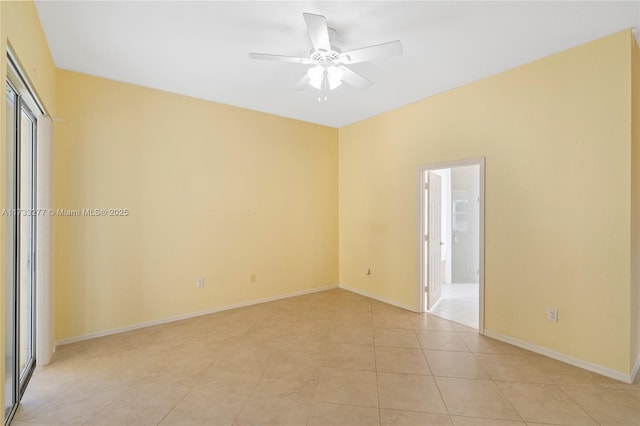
<point>281,58</point>
<point>318,31</point>
<point>354,79</point>
<point>384,50</point>
<point>302,84</point>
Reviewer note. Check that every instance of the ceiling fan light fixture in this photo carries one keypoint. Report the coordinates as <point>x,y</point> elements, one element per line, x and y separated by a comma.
<point>316,75</point>
<point>334,75</point>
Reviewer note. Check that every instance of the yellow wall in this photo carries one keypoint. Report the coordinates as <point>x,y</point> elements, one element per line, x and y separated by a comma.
<point>556,137</point>
<point>20,28</point>
<point>213,191</point>
<point>635,205</point>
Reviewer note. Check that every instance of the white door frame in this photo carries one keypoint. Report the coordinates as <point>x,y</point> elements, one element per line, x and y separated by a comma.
<point>433,229</point>
<point>422,170</point>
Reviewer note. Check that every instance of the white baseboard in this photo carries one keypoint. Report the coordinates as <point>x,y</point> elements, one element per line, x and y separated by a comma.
<point>189,315</point>
<point>379,299</point>
<point>586,365</point>
<point>634,371</point>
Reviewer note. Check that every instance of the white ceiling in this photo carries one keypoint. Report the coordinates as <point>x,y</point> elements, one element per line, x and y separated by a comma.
<point>200,49</point>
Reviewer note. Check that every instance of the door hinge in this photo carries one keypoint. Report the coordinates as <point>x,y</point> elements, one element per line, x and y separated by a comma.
<point>426,237</point>
<point>426,185</point>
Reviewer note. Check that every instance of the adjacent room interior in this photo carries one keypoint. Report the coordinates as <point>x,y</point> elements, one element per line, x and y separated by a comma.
<point>220,210</point>
<point>456,215</point>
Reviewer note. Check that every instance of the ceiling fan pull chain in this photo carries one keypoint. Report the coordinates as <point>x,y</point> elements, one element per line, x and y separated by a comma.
<point>323,86</point>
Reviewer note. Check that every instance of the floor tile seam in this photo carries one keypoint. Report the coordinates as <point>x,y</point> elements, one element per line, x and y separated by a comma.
<point>201,376</point>
<point>445,350</point>
<point>417,412</point>
<point>435,330</point>
<point>589,386</point>
<point>396,346</point>
<point>419,332</point>
<point>408,374</point>
<point>444,401</point>
<point>495,385</point>
<point>449,330</point>
<point>177,403</point>
<point>499,419</point>
<point>405,374</point>
<point>475,357</point>
<point>520,380</point>
<point>475,379</point>
<point>349,368</point>
<point>426,359</point>
<point>253,390</point>
<point>318,401</point>
<point>627,387</point>
<point>562,387</point>
<point>578,404</point>
<point>375,365</point>
<point>352,344</point>
<point>483,352</point>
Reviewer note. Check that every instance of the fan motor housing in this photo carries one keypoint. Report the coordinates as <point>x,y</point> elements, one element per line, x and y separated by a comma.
<point>326,58</point>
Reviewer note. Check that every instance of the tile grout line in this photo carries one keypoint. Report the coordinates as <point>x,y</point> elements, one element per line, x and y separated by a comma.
<point>177,403</point>
<point>446,407</point>
<point>578,404</point>
<point>253,390</point>
<point>375,367</point>
<point>506,399</point>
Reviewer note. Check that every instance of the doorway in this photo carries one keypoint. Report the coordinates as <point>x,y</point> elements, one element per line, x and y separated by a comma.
<point>451,200</point>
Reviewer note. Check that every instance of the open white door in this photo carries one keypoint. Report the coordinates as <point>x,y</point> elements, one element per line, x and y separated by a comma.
<point>433,238</point>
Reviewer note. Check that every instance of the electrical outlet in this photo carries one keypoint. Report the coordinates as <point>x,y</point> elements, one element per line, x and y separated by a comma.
<point>552,314</point>
<point>200,282</point>
<point>252,278</point>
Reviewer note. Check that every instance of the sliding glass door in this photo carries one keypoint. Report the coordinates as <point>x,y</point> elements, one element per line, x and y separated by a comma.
<point>20,224</point>
<point>10,389</point>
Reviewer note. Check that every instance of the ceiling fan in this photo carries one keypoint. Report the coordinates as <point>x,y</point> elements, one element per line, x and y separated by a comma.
<point>328,69</point>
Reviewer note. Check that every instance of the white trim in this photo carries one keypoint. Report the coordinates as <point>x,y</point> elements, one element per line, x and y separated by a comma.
<point>379,299</point>
<point>44,298</point>
<point>16,74</point>
<point>635,369</point>
<point>481,253</point>
<point>422,282</point>
<point>576,362</point>
<point>480,162</point>
<point>190,315</point>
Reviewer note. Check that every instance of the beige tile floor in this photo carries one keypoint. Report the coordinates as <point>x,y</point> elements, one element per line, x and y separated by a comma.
<point>329,358</point>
